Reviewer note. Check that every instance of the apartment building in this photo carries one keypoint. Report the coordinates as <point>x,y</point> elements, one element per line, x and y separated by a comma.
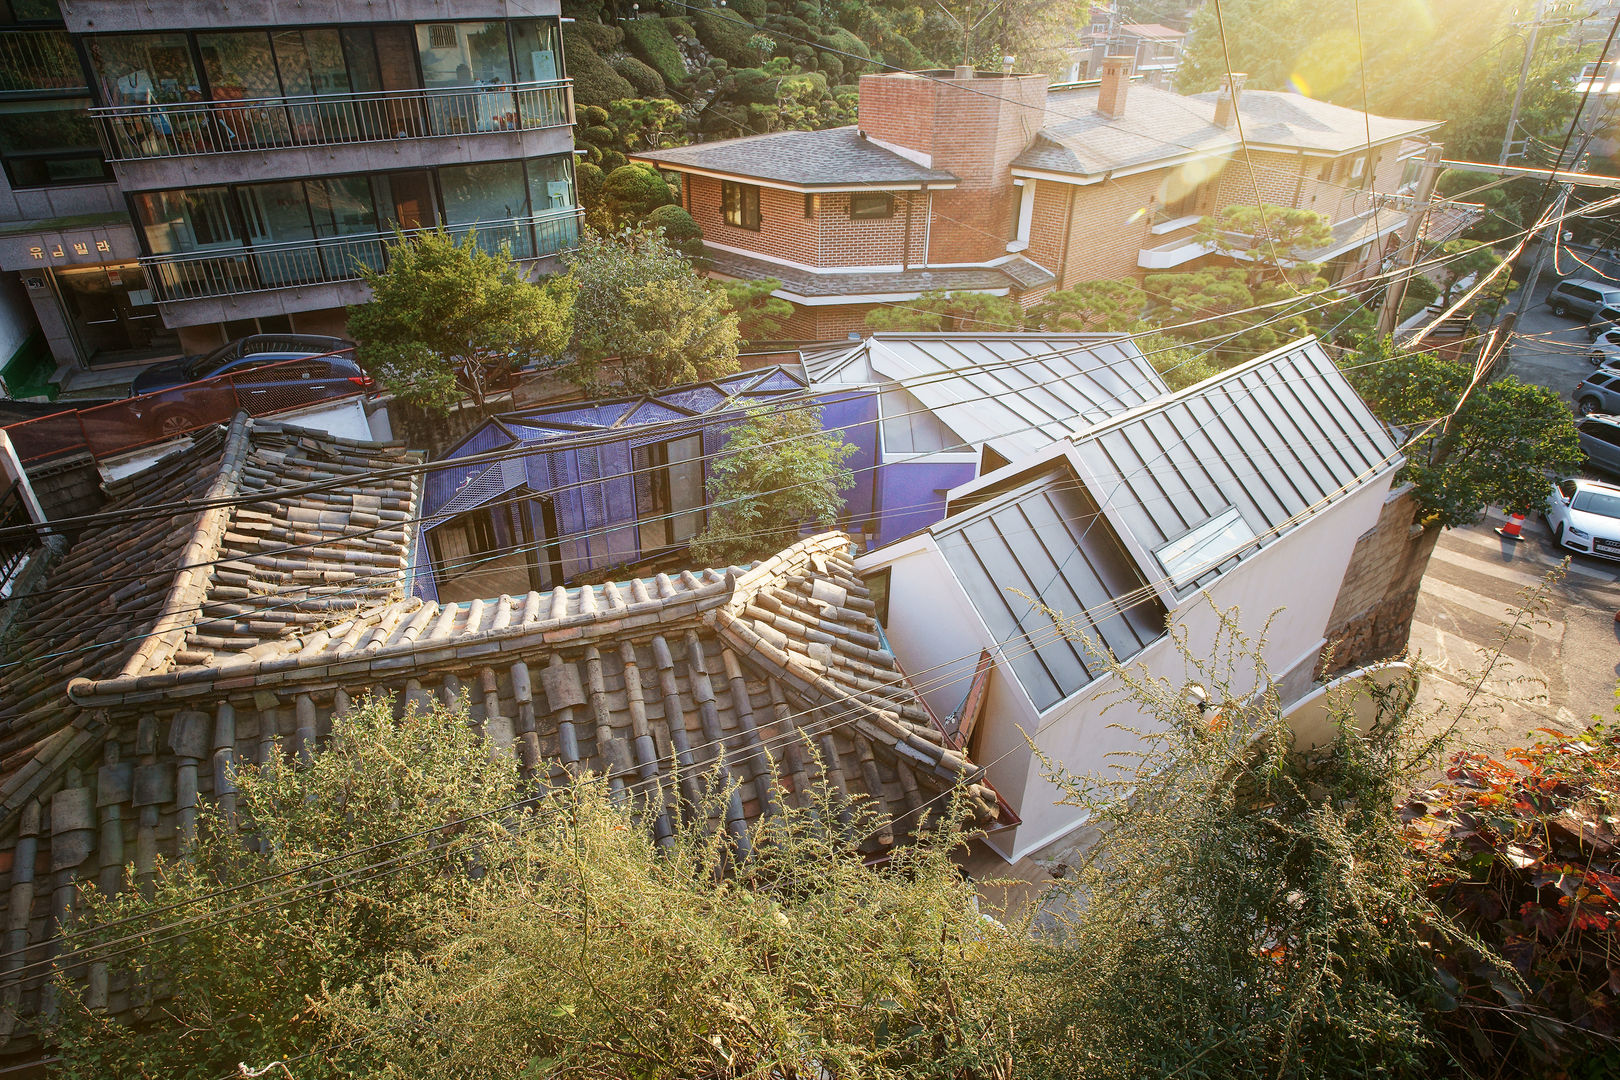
<point>178,174</point>
<point>996,182</point>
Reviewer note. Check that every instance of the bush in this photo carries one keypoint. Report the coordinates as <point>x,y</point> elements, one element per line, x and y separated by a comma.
<point>595,81</point>
<point>647,82</point>
<point>845,41</point>
<point>1420,293</point>
<point>599,37</point>
<point>726,38</point>
<point>631,192</point>
<point>680,230</point>
<point>650,40</point>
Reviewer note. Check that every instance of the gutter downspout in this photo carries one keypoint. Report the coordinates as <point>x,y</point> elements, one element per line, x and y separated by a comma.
<point>1068,228</point>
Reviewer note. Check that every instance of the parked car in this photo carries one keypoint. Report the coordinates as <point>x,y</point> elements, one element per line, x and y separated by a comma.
<point>1605,321</point>
<point>1599,392</point>
<point>239,355</point>
<point>1606,349</point>
<point>1600,441</point>
<point>1584,516</point>
<point>1582,297</point>
<point>269,373</point>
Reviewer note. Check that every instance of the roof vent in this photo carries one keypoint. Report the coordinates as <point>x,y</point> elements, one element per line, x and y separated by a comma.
<point>963,71</point>
<point>1226,102</point>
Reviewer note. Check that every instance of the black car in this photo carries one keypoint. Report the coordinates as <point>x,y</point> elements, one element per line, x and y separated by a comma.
<point>239,355</point>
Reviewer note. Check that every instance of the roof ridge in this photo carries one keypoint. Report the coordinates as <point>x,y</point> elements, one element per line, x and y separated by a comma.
<point>193,570</point>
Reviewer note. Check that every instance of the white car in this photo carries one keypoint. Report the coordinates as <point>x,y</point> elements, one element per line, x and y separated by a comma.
<point>1584,516</point>
<point>1606,349</point>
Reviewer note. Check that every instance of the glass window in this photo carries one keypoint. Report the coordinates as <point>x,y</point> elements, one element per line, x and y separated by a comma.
<point>869,206</point>
<point>342,206</point>
<point>189,219</point>
<point>539,56</point>
<point>463,54</point>
<point>669,501</point>
<point>39,60</point>
<point>551,183</point>
<point>239,65</point>
<point>50,143</point>
<point>35,11</point>
<point>1596,502</point>
<point>311,62</point>
<point>144,69</point>
<point>490,193</point>
<point>739,204</point>
<point>277,220</point>
<point>405,199</point>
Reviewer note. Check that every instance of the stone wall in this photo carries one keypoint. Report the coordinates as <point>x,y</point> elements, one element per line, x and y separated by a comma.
<point>67,489</point>
<point>1372,616</point>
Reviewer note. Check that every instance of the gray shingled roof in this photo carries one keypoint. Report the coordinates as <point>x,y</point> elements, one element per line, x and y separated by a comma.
<point>1017,273</point>
<point>1274,118</point>
<point>1159,125</point>
<point>803,158</point>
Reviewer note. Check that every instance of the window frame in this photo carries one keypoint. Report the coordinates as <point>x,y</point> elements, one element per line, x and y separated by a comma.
<point>478,515</point>
<point>739,204</point>
<point>882,200</point>
<point>656,522</point>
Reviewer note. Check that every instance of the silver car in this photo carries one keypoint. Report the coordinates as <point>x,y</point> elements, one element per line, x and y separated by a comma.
<point>1584,516</point>
<point>1600,441</point>
<point>1582,297</point>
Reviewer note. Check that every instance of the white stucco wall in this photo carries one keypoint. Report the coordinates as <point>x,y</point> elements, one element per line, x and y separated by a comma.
<point>935,631</point>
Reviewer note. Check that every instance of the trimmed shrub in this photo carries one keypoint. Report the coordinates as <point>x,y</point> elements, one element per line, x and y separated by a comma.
<point>595,81</point>
<point>728,39</point>
<point>600,37</point>
<point>681,232</point>
<point>648,83</point>
<point>652,43</point>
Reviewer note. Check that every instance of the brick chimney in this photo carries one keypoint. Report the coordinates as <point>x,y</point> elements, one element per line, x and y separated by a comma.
<point>1116,82</point>
<point>1226,102</point>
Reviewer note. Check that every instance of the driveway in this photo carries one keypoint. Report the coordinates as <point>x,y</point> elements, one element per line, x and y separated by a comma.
<point>1549,350</point>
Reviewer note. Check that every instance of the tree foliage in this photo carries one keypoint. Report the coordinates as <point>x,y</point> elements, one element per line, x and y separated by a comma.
<point>448,318</point>
<point>233,989</point>
<point>1505,440</point>
<point>1250,908</point>
<point>1268,241</point>
<point>680,230</point>
<point>644,320</point>
<point>760,316</point>
<point>778,474</point>
<point>942,310</point>
<point>1322,47</point>
<point>1092,306</point>
<point>631,192</point>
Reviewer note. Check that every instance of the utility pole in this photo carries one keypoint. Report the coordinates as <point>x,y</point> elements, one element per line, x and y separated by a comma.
<point>1518,93</point>
<point>1395,292</point>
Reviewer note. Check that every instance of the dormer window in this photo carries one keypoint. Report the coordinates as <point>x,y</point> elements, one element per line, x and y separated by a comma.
<point>739,204</point>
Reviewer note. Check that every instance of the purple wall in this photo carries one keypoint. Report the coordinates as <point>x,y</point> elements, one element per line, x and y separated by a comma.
<point>912,493</point>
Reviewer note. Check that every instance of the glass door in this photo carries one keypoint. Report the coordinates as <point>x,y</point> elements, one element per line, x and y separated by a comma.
<point>113,314</point>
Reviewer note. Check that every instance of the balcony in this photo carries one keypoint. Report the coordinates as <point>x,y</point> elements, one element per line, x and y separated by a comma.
<point>205,275</point>
<point>209,128</point>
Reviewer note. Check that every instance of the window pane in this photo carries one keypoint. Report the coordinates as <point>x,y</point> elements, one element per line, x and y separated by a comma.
<point>277,220</point>
<point>46,143</point>
<point>190,219</point>
<point>239,65</point>
<point>463,54</point>
<point>685,487</point>
<point>39,60</point>
<point>551,183</point>
<point>342,206</point>
<point>312,62</point>
<point>539,58</point>
<point>141,69</point>
<point>490,193</point>
<point>35,11</point>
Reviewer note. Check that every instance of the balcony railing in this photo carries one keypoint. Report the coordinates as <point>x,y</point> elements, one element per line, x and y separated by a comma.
<point>262,267</point>
<point>36,61</point>
<point>138,132</point>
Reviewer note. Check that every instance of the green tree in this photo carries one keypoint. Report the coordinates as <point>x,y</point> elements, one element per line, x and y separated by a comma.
<point>1215,303</point>
<point>761,316</point>
<point>1465,259</point>
<point>447,319</point>
<point>631,192</point>
<point>644,320</point>
<point>950,311</point>
<point>1267,241</point>
<point>231,989</point>
<point>778,474</point>
<point>1103,306</point>
<point>1504,441</point>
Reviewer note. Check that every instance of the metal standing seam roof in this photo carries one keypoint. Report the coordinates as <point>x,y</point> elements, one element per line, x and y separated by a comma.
<point>1249,452</point>
<point>1017,393</point>
<point>1275,439</point>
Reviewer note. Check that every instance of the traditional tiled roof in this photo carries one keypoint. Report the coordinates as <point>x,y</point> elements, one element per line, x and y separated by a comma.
<point>1019,273</point>
<point>704,668</point>
<point>808,159</point>
<point>152,593</point>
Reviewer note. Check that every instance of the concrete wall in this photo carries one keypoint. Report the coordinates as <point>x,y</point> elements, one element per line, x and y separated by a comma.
<point>107,16</point>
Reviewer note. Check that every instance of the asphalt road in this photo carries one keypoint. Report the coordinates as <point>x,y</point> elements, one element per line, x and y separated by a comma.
<point>1561,666</point>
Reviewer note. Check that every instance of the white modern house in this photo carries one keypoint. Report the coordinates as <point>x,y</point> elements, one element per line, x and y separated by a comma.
<point>1247,491</point>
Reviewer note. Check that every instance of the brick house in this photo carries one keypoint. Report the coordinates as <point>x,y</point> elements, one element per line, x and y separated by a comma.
<point>996,182</point>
